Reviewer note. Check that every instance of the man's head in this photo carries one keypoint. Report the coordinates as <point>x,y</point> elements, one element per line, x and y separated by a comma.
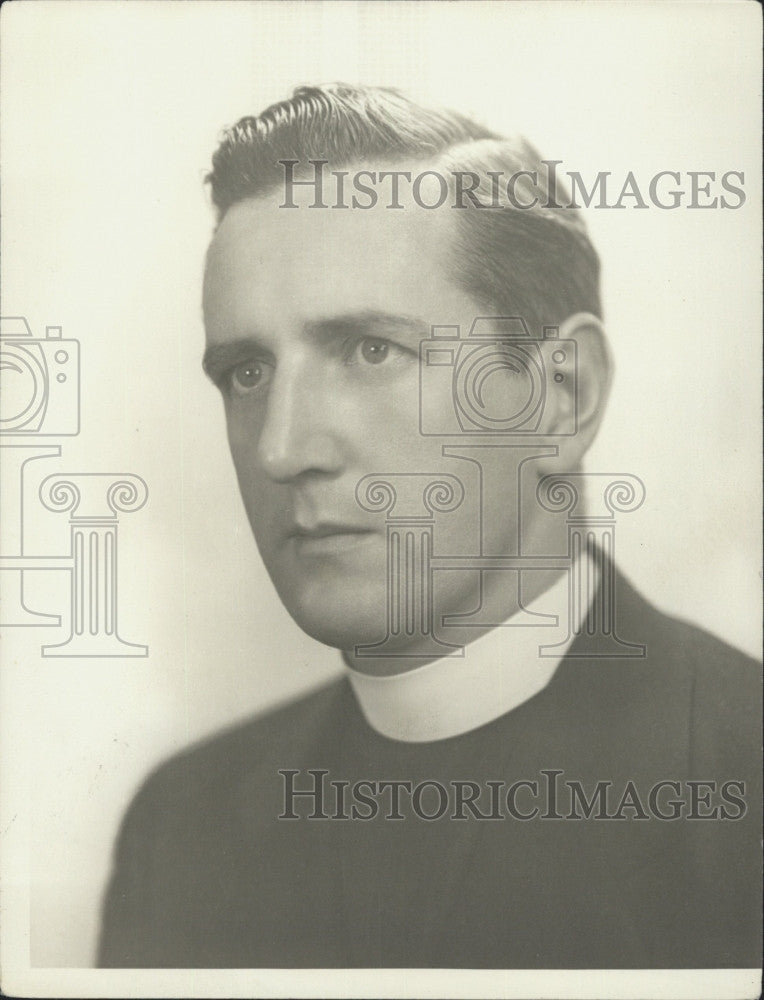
<point>314,319</point>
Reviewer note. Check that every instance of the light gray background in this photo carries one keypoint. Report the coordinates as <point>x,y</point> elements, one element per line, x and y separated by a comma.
<point>110,115</point>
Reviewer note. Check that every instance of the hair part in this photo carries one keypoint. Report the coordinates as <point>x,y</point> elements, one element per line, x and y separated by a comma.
<point>537,263</point>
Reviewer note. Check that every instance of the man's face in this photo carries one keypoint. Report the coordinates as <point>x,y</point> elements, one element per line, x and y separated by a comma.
<point>314,319</point>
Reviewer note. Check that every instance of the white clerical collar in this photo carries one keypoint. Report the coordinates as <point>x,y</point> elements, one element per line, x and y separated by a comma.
<point>499,671</point>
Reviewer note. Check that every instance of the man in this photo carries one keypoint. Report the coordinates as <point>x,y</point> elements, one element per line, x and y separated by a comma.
<point>525,764</point>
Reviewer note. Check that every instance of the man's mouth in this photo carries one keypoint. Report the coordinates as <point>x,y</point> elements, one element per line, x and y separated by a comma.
<point>327,538</point>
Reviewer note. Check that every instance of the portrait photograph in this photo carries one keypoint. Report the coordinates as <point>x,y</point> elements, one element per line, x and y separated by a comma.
<point>380,540</point>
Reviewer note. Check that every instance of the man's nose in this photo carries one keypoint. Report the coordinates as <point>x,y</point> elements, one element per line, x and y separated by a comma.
<point>301,431</point>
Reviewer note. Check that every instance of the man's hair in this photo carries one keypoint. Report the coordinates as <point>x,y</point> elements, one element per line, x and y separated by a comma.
<point>536,262</point>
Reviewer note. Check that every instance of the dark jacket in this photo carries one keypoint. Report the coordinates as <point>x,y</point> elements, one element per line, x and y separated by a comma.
<point>207,875</point>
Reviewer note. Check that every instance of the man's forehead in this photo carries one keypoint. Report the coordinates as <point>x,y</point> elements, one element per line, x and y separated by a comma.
<point>367,194</point>
<point>389,252</point>
<point>266,217</point>
<point>282,269</point>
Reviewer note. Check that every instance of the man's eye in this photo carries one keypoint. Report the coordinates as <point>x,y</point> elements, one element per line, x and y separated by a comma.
<point>373,350</point>
<point>367,351</point>
<point>363,352</point>
<point>248,376</point>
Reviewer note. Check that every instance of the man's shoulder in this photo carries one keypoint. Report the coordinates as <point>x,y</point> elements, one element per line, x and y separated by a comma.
<point>676,695</point>
<point>222,763</point>
<point>725,698</point>
<point>715,685</point>
<point>687,646</point>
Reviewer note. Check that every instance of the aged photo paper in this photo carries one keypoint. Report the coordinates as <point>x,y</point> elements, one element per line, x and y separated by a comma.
<point>380,459</point>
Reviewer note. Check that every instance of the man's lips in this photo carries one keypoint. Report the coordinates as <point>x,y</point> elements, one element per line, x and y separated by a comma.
<point>326,530</point>
<point>328,537</point>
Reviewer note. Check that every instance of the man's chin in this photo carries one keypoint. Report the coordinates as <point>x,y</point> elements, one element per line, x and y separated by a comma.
<point>341,631</point>
<point>340,605</point>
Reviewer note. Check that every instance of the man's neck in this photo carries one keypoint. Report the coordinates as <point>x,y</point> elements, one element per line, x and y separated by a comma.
<point>407,658</point>
<point>461,618</point>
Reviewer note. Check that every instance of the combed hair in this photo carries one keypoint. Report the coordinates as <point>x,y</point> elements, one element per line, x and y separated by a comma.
<point>537,263</point>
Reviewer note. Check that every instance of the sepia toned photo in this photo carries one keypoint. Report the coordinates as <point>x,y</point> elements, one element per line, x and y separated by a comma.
<point>381,499</point>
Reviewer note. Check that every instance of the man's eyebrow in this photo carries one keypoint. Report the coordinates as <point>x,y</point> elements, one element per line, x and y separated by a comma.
<point>368,322</point>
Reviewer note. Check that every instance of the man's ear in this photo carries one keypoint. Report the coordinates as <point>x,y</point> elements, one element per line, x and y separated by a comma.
<point>577,390</point>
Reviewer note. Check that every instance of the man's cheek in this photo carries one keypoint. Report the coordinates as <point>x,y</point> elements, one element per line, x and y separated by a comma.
<point>254,492</point>
<point>243,431</point>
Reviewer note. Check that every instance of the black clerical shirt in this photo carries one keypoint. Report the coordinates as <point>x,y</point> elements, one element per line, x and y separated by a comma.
<point>207,874</point>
